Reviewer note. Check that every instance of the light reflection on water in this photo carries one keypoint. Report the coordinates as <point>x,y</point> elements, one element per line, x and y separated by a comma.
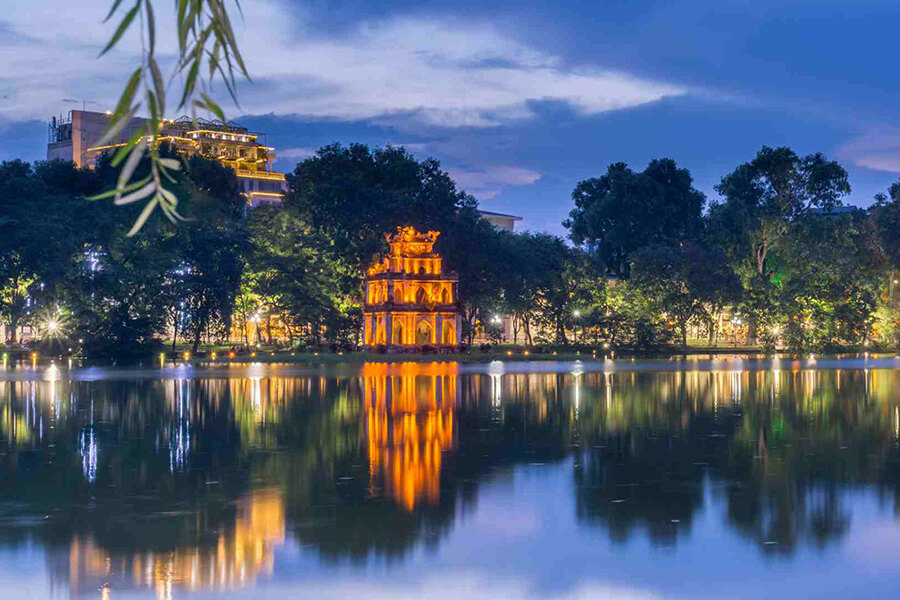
<point>246,478</point>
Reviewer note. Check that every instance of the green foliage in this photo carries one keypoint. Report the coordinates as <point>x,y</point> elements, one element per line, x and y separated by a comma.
<point>683,281</point>
<point>886,214</point>
<point>66,251</point>
<point>623,211</point>
<point>831,291</point>
<point>36,225</point>
<point>293,272</point>
<point>761,200</point>
<point>353,196</point>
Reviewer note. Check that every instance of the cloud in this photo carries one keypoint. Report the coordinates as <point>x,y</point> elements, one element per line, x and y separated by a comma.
<point>300,153</point>
<point>439,71</point>
<point>488,182</point>
<point>879,150</point>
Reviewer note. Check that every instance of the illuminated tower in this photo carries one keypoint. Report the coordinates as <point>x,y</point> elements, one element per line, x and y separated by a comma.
<point>409,300</point>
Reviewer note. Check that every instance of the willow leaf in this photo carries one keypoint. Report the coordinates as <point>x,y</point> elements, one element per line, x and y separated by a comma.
<point>123,26</point>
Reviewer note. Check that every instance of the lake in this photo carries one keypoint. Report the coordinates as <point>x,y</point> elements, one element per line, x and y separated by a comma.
<point>686,478</point>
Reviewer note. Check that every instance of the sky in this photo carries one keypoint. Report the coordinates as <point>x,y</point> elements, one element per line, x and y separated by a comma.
<point>518,100</point>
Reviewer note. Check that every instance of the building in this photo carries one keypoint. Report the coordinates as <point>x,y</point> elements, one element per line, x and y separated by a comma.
<point>76,138</point>
<point>409,300</point>
<point>501,221</point>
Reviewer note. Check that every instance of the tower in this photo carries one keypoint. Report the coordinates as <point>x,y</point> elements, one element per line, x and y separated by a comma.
<point>410,301</point>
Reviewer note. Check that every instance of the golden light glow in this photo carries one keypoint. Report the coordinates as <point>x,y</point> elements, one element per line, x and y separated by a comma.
<point>410,421</point>
<point>241,554</point>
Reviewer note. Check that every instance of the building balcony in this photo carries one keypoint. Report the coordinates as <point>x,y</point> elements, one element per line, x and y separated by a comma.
<point>259,174</point>
<point>409,307</point>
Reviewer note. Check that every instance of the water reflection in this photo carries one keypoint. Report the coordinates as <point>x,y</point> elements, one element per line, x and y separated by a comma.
<point>199,483</point>
<point>242,551</point>
<point>409,424</point>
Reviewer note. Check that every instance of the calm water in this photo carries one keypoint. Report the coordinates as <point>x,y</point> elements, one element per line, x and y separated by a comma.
<point>687,479</point>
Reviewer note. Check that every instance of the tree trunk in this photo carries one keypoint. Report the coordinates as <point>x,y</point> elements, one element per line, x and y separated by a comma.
<point>752,329</point>
<point>684,335</point>
<point>174,330</point>
<point>762,250</point>
<point>13,325</point>
<point>197,334</point>
<point>290,332</point>
<point>560,332</point>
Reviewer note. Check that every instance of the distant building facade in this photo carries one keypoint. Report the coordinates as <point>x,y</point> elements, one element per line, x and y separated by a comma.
<point>501,221</point>
<point>76,138</point>
<point>409,300</point>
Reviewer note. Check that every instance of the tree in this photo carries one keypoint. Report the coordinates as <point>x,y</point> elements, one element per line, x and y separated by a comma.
<point>552,281</point>
<point>623,211</point>
<point>682,281</point>
<point>37,212</point>
<point>886,214</point>
<point>832,280</point>
<point>293,273</point>
<point>118,287</point>
<point>761,199</point>
<point>212,245</point>
<point>352,196</point>
<point>481,256</point>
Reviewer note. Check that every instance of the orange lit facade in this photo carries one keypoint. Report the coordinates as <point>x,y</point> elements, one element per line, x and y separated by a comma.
<point>410,301</point>
<point>410,422</point>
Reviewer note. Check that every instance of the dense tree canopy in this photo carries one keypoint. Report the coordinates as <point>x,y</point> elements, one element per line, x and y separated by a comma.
<point>622,211</point>
<point>761,198</point>
<point>354,195</point>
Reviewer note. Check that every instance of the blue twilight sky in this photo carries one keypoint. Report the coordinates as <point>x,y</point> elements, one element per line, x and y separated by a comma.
<point>518,100</point>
